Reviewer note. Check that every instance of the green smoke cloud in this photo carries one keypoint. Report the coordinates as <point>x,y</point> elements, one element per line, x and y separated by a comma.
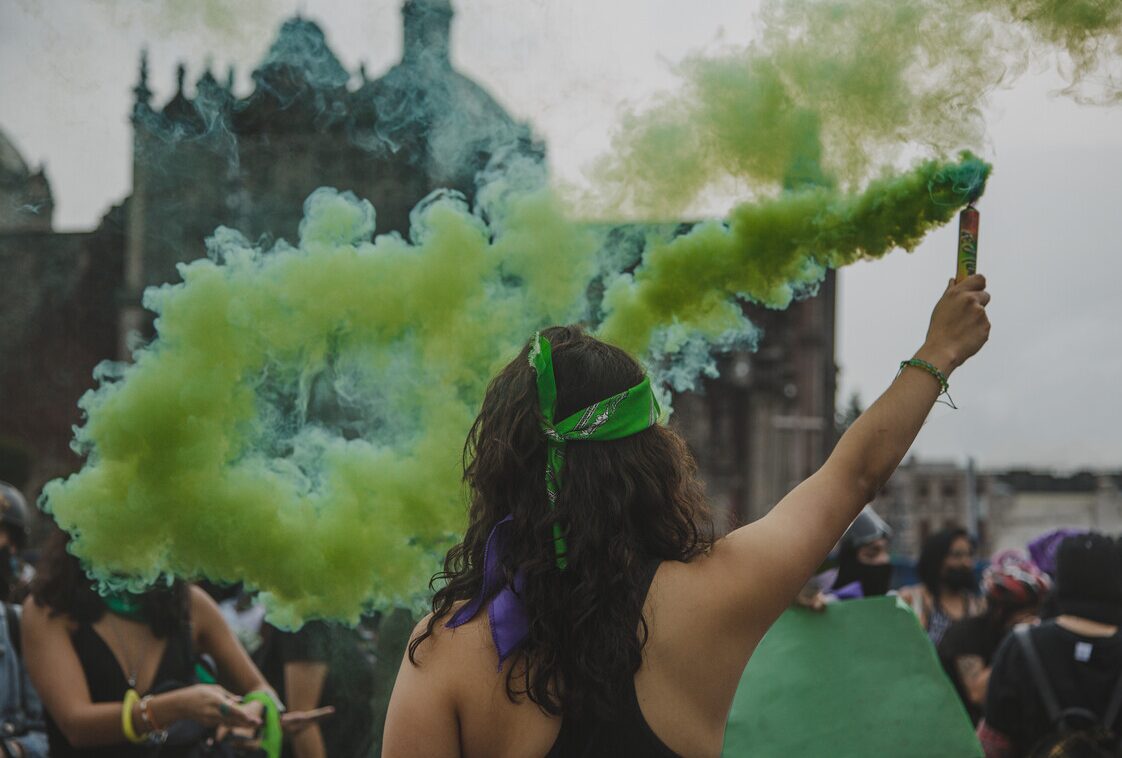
<point>298,422</point>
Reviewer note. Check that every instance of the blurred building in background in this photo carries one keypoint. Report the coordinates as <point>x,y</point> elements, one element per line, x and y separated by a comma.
<point>1002,508</point>
<point>1024,504</point>
<point>206,157</point>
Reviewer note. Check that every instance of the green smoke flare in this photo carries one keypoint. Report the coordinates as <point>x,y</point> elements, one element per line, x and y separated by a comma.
<point>298,422</point>
<point>772,251</point>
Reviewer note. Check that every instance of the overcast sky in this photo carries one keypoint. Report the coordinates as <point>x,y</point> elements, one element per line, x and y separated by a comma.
<point>1045,392</point>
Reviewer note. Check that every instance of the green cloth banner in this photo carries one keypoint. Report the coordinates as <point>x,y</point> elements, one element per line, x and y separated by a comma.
<point>860,679</point>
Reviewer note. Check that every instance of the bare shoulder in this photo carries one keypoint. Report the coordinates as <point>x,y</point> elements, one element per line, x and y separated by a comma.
<point>448,649</point>
<point>38,617</point>
<point>204,613</point>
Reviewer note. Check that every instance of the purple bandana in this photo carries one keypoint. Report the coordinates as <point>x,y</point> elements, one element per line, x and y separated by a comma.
<point>851,591</point>
<point>509,625</point>
<point>1044,548</point>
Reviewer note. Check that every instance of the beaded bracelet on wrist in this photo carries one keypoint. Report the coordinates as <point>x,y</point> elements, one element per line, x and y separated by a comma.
<point>939,376</point>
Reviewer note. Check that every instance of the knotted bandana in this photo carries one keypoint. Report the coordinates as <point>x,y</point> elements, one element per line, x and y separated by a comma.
<point>618,416</point>
<point>622,415</point>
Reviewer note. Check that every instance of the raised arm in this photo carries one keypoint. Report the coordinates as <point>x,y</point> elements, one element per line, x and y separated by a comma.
<point>764,564</point>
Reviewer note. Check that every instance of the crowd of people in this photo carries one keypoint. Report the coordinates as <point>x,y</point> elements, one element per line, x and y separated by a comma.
<point>1061,596</point>
<point>620,621</point>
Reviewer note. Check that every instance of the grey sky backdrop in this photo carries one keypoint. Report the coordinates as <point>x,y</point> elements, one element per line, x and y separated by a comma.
<point>1046,392</point>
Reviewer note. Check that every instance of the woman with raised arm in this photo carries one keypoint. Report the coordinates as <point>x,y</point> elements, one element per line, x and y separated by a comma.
<point>589,611</point>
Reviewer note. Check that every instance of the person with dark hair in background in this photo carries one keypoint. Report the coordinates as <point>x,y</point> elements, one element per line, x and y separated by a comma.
<point>621,625</point>
<point>1056,689</point>
<point>948,590</point>
<point>115,672</point>
<point>1014,589</point>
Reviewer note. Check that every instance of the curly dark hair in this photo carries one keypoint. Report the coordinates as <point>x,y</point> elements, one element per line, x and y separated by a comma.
<point>62,586</point>
<point>623,504</point>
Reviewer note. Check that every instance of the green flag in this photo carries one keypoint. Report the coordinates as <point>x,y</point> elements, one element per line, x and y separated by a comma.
<point>860,679</point>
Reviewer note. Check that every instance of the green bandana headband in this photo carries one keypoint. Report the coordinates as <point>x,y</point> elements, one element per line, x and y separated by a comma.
<point>622,415</point>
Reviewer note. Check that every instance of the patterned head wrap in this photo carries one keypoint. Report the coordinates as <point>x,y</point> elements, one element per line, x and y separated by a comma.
<point>618,416</point>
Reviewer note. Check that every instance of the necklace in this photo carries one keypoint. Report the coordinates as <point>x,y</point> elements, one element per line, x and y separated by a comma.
<point>132,666</point>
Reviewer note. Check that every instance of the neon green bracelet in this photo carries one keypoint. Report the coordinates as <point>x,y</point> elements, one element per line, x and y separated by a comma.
<point>271,735</point>
<point>940,377</point>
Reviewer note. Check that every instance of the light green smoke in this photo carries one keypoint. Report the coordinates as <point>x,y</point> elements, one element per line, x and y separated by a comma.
<point>772,251</point>
<point>832,90</point>
<point>299,421</point>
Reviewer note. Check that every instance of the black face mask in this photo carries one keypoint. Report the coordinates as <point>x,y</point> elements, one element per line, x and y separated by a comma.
<point>875,579</point>
<point>959,579</point>
<point>9,572</point>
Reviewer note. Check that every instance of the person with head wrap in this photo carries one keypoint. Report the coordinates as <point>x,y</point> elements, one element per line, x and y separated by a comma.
<point>948,590</point>
<point>863,566</point>
<point>590,609</point>
<point>1014,588</point>
<point>1080,664</point>
<point>863,557</point>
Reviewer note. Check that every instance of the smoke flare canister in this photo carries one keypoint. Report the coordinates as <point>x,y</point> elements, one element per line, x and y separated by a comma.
<point>967,242</point>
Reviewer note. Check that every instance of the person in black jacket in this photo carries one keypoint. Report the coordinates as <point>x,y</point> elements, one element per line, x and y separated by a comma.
<point>1080,651</point>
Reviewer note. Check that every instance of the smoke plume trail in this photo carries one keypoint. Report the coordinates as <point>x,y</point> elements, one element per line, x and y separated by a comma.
<point>831,91</point>
<point>298,422</point>
<point>778,249</point>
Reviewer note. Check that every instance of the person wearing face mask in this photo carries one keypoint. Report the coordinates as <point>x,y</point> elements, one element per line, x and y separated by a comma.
<point>863,557</point>
<point>13,538</point>
<point>948,591</point>
<point>1014,588</point>
<point>864,568</point>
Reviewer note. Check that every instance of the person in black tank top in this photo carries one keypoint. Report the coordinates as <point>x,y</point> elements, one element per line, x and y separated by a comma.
<point>565,584</point>
<point>107,684</point>
<point>97,661</point>
<point>575,493</point>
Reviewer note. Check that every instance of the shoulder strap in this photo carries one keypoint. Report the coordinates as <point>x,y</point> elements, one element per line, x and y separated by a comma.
<point>1036,668</point>
<point>11,613</point>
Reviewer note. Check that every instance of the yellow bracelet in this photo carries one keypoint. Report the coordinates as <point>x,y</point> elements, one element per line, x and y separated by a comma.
<point>131,699</point>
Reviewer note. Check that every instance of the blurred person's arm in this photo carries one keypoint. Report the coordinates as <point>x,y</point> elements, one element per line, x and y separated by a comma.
<point>975,677</point>
<point>303,687</point>
<point>214,636</point>
<point>762,566</point>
